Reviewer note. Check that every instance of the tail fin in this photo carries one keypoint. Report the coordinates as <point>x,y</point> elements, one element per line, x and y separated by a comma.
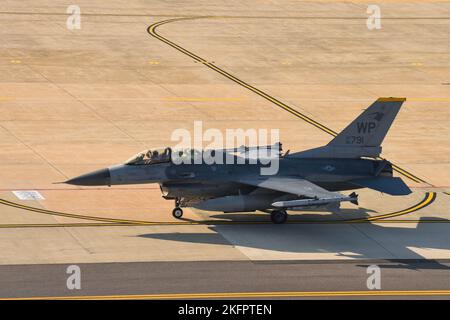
<point>370,128</point>
<point>362,137</point>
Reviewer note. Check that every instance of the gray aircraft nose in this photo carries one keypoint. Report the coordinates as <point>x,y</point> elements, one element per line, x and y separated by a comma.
<point>96,178</point>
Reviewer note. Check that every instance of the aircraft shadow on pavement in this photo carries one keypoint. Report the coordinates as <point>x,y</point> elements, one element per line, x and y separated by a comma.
<point>361,241</point>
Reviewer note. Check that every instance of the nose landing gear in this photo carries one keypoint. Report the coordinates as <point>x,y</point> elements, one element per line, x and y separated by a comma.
<point>177,213</point>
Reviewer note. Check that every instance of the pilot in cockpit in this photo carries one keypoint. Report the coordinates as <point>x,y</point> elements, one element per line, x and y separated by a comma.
<point>150,157</point>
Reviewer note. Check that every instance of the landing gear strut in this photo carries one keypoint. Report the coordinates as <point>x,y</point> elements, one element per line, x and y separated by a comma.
<point>278,216</point>
<point>177,212</point>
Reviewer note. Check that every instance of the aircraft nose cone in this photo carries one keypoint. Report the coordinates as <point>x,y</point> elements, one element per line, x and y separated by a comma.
<point>96,178</point>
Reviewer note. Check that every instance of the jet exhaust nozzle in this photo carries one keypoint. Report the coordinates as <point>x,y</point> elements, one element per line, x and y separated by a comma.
<point>354,197</point>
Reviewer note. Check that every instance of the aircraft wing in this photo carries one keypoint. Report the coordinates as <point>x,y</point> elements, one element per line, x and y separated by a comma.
<point>292,185</point>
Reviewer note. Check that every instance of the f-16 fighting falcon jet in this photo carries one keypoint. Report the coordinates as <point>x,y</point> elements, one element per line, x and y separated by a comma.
<point>304,179</point>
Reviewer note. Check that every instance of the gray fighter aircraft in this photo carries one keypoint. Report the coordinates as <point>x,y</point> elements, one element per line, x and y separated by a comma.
<point>304,179</point>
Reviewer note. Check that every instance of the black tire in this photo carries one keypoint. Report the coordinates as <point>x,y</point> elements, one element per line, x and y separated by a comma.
<point>177,213</point>
<point>278,216</point>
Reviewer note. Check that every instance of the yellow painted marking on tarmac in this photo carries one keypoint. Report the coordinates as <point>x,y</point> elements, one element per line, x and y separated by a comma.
<point>412,221</point>
<point>407,174</point>
<point>429,198</point>
<point>204,99</point>
<point>286,63</point>
<point>153,62</point>
<point>152,31</point>
<point>275,294</point>
<point>63,214</point>
<point>59,225</point>
<point>15,61</point>
<point>220,222</point>
<point>429,99</point>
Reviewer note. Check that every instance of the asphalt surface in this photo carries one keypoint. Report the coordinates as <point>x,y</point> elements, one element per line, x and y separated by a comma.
<point>229,279</point>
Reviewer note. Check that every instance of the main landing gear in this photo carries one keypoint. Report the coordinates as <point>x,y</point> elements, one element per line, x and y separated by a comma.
<point>278,216</point>
<point>177,213</point>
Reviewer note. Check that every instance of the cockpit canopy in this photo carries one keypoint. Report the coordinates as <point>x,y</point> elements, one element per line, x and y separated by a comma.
<point>161,155</point>
<point>189,155</point>
<point>150,156</point>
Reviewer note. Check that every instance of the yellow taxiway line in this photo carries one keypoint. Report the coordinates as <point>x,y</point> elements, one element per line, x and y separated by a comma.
<point>103,222</point>
<point>225,295</point>
<point>429,198</point>
<point>152,31</point>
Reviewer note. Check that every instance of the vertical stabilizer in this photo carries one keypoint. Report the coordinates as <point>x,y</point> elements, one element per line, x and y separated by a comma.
<point>370,128</point>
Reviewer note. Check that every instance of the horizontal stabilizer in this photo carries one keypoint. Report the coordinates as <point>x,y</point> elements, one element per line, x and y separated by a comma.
<point>393,186</point>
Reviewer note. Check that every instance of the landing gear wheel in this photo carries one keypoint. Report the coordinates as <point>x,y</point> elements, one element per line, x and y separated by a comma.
<point>278,216</point>
<point>177,213</point>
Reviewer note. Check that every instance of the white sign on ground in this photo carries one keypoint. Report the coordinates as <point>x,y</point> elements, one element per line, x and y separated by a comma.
<point>28,195</point>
